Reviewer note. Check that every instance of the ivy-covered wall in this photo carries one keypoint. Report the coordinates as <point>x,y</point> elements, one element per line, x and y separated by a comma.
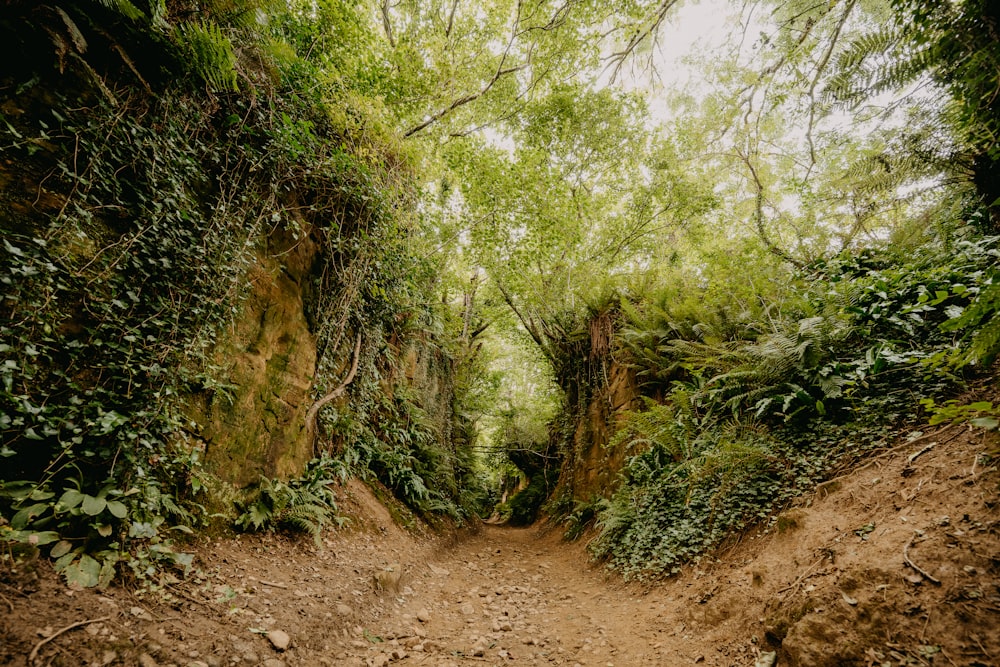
<point>190,249</point>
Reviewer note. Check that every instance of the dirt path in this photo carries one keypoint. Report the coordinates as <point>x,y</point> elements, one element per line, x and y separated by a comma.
<point>512,595</point>
<point>895,564</point>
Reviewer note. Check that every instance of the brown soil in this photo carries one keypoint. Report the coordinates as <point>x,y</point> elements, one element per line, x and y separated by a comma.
<point>897,563</point>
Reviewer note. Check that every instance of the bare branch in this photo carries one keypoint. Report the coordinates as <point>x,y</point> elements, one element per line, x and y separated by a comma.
<point>640,35</point>
<point>820,68</point>
<point>387,25</point>
<point>529,324</point>
<point>451,19</point>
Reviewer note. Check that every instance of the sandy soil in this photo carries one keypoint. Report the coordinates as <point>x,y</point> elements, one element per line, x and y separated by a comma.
<point>896,563</point>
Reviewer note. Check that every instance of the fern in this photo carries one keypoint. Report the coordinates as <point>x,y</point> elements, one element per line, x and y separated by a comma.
<point>981,319</point>
<point>876,62</point>
<point>305,505</point>
<point>126,8</point>
<point>211,54</point>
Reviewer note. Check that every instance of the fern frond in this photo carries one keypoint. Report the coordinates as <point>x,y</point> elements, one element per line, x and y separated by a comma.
<point>125,8</point>
<point>211,54</point>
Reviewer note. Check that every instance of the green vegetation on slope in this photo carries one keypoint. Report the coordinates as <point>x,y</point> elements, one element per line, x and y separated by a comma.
<point>167,171</point>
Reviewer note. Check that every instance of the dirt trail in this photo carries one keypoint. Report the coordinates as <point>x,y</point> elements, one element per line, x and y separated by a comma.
<point>896,564</point>
<point>514,595</point>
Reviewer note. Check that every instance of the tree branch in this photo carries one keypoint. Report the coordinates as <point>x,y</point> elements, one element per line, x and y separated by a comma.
<point>529,324</point>
<point>451,19</point>
<point>313,413</point>
<point>820,68</point>
<point>759,217</point>
<point>387,25</point>
<point>641,35</point>
<point>500,72</point>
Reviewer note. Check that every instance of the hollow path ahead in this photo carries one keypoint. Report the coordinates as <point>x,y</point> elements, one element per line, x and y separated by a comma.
<point>891,564</point>
<point>509,596</point>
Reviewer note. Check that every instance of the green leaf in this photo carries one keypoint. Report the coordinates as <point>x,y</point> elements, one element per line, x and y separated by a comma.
<point>989,423</point>
<point>43,538</point>
<point>117,509</point>
<point>61,548</point>
<point>107,573</point>
<point>27,515</point>
<point>94,506</point>
<point>41,494</point>
<point>83,573</point>
<point>70,499</point>
<point>14,250</point>
<point>64,561</point>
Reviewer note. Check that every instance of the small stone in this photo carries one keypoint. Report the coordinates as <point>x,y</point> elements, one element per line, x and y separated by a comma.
<point>344,610</point>
<point>423,615</point>
<point>146,660</point>
<point>766,659</point>
<point>141,614</point>
<point>468,609</point>
<point>279,639</point>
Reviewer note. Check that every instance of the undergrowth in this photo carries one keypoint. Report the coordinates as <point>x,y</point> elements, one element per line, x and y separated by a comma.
<point>154,169</point>
<point>745,425</point>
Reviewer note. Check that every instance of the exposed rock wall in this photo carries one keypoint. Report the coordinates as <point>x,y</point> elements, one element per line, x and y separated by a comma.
<point>593,466</point>
<point>256,425</point>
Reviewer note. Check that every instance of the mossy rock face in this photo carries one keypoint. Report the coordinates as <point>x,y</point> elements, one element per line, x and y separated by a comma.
<point>257,426</point>
<point>593,468</point>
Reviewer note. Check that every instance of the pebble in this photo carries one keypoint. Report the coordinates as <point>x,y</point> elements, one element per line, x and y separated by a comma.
<point>279,639</point>
<point>141,614</point>
<point>146,660</point>
<point>423,615</point>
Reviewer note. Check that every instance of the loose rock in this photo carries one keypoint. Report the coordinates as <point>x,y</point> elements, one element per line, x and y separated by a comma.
<point>279,639</point>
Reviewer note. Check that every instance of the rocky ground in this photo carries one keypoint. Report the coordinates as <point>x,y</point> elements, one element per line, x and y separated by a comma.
<point>896,563</point>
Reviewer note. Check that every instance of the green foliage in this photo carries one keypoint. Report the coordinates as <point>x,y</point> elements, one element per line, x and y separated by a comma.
<point>120,285</point>
<point>824,375</point>
<point>982,414</point>
<point>306,504</point>
<point>527,503</point>
<point>955,45</point>
<point>209,53</point>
